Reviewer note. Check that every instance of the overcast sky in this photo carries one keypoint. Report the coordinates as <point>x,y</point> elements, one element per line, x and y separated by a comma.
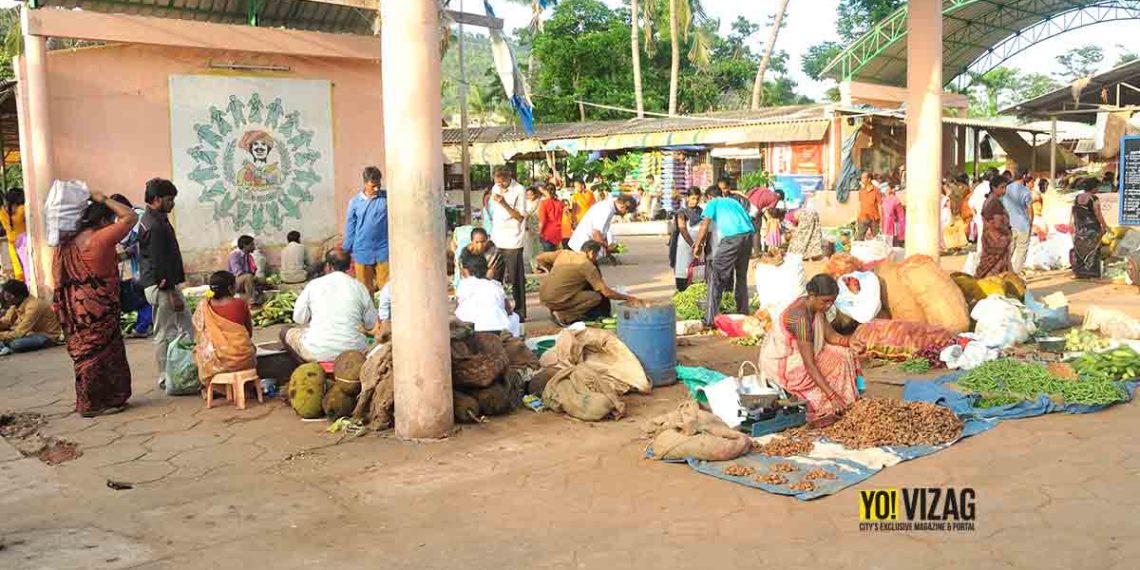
<point>813,21</point>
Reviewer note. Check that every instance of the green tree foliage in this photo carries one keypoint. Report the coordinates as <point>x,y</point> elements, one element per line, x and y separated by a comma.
<point>13,41</point>
<point>583,54</point>
<point>1081,62</point>
<point>1033,85</point>
<point>854,18</point>
<point>1126,56</point>
<point>996,86</point>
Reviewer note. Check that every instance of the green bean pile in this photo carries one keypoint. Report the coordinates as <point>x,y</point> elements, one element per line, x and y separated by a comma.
<point>916,366</point>
<point>687,308</point>
<point>1006,381</point>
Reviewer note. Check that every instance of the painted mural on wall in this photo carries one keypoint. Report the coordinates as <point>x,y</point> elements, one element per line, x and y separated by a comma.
<point>252,155</point>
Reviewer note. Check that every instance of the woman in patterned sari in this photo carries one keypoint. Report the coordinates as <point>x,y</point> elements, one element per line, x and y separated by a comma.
<point>1088,229</point>
<point>808,358</point>
<point>87,303</point>
<point>997,236</point>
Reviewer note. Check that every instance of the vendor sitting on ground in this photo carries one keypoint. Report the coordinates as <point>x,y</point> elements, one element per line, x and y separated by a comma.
<point>223,331</point>
<point>382,332</point>
<point>575,290</point>
<point>808,358</point>
<point>294,269</point>
<point>27,323</point>
<point>333,311</point>
<point>240,264</point>
<point>483,302</point>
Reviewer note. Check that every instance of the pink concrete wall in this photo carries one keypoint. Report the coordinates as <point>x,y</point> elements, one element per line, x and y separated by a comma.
<point>110,113</point>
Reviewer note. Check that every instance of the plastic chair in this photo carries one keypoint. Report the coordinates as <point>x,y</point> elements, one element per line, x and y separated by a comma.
<point>235,387</point>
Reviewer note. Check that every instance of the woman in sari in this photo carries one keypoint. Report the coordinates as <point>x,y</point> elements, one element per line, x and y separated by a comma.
<point>807,238</point>
<point>997,236</point>
<point>87,303</point>
<point>1088,229</point>
<point>893,217</point>
<point>808,358</point>
<point>687,222</point>
<point>223,331</point>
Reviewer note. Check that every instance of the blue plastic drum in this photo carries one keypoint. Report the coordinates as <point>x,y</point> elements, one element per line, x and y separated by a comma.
<point>650,331</point>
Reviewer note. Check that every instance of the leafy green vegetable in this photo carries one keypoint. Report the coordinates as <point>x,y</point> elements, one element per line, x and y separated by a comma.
<point>1007,380</point>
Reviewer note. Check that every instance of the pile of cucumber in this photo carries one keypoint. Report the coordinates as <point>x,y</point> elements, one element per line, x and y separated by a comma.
<point>609,324</point>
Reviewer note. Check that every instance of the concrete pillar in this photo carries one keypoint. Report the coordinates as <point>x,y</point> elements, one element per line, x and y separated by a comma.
<point>960,155</point>
<point>923,126</point>
<point>421,350</point>
<point>1053,153</point>
<point>38,276</point>
<point>835,154</point>
<point>947,148</point>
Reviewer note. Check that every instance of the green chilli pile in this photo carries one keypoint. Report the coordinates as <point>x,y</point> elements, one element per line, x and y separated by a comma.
<point>688,309</point>
<point>279,309</point>
<point>1008,381</point>
<point>916,366</point>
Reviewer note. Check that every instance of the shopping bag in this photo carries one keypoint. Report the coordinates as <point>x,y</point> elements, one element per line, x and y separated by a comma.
<point>181,369</point>
<point>696,272</point>
<point>63,209</point>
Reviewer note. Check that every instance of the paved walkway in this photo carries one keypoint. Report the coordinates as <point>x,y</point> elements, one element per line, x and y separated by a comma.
<point>260,488</point>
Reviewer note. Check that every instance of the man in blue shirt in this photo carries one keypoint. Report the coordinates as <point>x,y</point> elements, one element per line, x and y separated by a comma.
<point>729,263</point>
<point>366,232</point>
<point>1018,202</point>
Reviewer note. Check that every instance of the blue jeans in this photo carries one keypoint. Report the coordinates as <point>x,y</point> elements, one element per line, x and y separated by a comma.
<point>29,343</point>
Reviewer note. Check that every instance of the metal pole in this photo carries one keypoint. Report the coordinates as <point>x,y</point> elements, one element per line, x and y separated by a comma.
<point>421,350</point>
<point>977,151</point>
<point>1053,153</point>
<point>464,152</point>
<point>1033,158</point>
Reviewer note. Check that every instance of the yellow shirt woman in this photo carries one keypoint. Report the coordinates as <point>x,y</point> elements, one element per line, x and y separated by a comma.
<point>15,226</point>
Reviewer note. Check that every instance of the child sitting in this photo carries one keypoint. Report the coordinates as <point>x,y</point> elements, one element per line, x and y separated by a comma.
<point>773,236</point>
<point>483,302</point>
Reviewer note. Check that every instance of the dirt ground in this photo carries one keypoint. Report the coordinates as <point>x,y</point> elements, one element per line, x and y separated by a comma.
<point>260,488</point>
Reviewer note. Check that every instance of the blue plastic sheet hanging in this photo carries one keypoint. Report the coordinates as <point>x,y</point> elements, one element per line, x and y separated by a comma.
<point>508,71</point>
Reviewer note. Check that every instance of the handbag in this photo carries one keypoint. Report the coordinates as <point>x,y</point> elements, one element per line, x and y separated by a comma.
<point>696,271</point>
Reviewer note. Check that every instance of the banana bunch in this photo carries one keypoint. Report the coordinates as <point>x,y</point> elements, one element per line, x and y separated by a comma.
<point>1120,364</point>
<point>279,309</point>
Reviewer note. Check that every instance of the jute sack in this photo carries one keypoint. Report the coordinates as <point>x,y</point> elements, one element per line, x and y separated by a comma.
<point>689,432</point>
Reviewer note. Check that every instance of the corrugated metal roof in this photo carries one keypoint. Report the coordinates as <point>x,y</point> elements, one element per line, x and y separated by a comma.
<point>292,14</point>
<point>557,131</point>
<point>1090,95</point>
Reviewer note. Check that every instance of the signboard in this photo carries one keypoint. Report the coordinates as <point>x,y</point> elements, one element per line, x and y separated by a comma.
<point>1129,181</point>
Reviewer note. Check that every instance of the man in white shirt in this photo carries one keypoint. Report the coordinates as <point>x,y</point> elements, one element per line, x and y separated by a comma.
<point>595,225</point>
<point>333,311</point>
<point>483,302</point>
<point>977,201</point>
<point>508,231</point>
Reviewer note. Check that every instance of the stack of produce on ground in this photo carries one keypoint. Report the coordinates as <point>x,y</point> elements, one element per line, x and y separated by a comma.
<point>278,309</point>
<point>608,323</point>
<point>919,290</point>
<point>127,322</point>
<point>617,248</point>
<point>688,302</point>
<point>916,366</point>
<point>1007,381</point>
<point>781,446</point>
<point>753,340</point>
<point>878,422</point>
<point>1119,364</point>
<point>1078,340</point>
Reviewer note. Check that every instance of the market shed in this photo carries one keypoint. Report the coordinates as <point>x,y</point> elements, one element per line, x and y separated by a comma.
<point>262,113</point>
<point>9,131</point>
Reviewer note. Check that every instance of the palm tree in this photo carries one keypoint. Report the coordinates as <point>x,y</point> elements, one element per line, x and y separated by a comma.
<point>758,85</point>
<point>682,15</point>
<point>635,50</point>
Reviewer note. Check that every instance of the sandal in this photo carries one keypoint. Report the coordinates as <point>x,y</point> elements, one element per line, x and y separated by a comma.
<point>104,412</point>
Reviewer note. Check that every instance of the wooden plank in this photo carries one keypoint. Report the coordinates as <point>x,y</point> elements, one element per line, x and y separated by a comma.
<point>122,28</point>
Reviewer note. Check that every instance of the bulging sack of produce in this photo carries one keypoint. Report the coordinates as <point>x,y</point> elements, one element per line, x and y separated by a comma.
<point>777,286</point>
<point>689,432</point>
<point>488,360</point>
<point>859,296</point>
<point>870,251</point>
<point>954,235</point>
<point>899,340</point>
<point>1002,322</point>
<point>968,284</point>
<point>1111,323</point>
<point>896,296</point>
<point>842,264</point>
<point>941,300</point>
<point>1007,284</point>
<point>583,392</point>
<point>63,209</point>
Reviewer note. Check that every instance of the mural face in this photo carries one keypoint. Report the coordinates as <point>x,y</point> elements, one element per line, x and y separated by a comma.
<point>253,153</point>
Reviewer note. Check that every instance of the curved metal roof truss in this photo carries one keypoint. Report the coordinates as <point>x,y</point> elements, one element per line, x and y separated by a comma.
<point>977,35</point>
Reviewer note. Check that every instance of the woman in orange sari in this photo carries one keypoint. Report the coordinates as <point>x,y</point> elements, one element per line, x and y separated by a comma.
<point>808,358</point>
<point>223,331</point>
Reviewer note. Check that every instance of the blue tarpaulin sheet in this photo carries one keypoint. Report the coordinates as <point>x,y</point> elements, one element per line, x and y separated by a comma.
<point>854,466</point>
